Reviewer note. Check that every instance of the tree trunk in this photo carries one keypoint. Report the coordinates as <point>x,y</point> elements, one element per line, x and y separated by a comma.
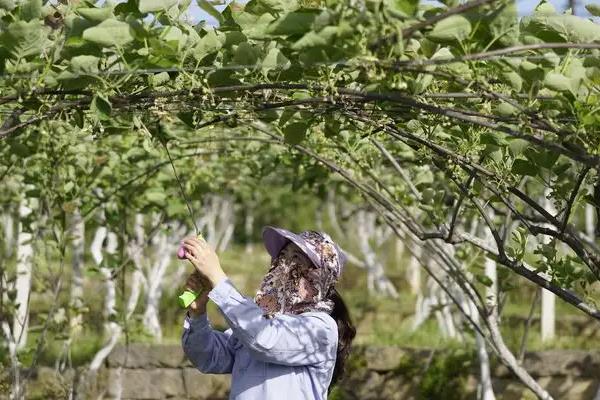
<point>23,281</point>
<point>332,214</point>
<point>248,228</point>
<point>377,282</point>
<point>548,313</point>
<point>218,221</point>
<point>162,254</point>
<point>151,263</point>
<point>413,270</point>
<point>485,390</point>
<point>15,365</point>
<point>8,229</point>
<point>78,243</point>
<point>510,361</point>
<point>590,221</point>
<point>106,242</point>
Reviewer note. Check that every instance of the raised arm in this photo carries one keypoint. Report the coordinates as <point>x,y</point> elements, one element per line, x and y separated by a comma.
<point>304,339</point>
<point>209,350</point>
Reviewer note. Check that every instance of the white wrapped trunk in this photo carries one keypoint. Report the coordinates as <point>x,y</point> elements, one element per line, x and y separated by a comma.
<point>8,227</point>
<point>23,281</point>
<point>78,245</point>
<point>548,312</point>
<point>367,231</point>
<point>151,261</point>
<point>111,329</point>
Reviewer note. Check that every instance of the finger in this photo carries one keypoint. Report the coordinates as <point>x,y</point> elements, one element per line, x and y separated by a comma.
<point>195,262</point>
<point>191,249</point>
<point>198,242</point>
<point>190,242</point>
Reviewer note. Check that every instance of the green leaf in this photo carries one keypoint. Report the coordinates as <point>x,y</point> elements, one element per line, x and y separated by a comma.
<point>24,38</point>
<point>110,32</point>
<point>271,6</point>
<point>101,106</point>
<point>420,83</point>
<point>523,167</point>
<point>246,54</point>
<point>514,79</point>
<point>562,28</point>
<point>85,64</point>
<point>253,26</point>
<point>209,43</point>
<point>494,138</point>
<point>175,208</point>
<point>316,39</point>
<point>455,27</point>
<point>31,9</point>
<point>234,38</point>
<point>147,6</point>
<point>293,23</point>
<point>332,127</point>
<point>286,115</point>
<point>275,60</point>
<point>518,146</point>
<point>156,195</point>
<point>531,72</point>
<point>593,9</point>
<point>484,279</point>
<point>506,109</point>
<point>545,158</point>
<point>210,10</point>
<point>96,14</point>
<point>295,132</point>
<point>557,82</point>
<point>561,168</point>
<point>159,79</point>
<point>79,118</point>
<point>406,8</point>
<point>7,5</point>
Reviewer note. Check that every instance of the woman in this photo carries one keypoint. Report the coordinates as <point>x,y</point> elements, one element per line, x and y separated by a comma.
<point>289,342</point>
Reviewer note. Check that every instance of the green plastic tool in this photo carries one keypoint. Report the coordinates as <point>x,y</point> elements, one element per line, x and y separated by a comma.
<point>187,297</point>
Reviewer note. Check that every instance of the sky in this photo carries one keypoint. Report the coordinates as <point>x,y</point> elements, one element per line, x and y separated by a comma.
<point>525,7</point>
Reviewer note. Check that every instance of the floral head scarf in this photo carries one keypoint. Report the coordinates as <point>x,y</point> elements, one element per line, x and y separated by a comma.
<point>294,284</point>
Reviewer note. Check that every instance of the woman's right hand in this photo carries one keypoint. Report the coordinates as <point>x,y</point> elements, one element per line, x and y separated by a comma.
<point>201,285</point>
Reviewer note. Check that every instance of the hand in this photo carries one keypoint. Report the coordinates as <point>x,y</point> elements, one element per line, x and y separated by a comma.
<point>204,259</point>
<point>201,285</point>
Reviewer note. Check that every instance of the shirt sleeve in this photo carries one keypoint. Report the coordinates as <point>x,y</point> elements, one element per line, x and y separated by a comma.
<point>209,350</point>
<point>288,339</point>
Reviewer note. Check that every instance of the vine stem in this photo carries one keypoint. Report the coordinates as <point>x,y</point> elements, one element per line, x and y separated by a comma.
<point>185,198</point>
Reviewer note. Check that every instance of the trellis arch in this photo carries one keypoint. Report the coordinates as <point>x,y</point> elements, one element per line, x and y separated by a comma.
<point>436,115</point>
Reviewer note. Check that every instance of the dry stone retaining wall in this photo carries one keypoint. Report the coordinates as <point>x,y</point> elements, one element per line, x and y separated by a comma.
<point>145,372</point>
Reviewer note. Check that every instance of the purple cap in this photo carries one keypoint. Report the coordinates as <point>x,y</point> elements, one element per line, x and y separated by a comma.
<point>318,246</point>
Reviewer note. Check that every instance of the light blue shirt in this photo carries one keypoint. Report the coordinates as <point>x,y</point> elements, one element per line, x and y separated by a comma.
<point>290,356</point>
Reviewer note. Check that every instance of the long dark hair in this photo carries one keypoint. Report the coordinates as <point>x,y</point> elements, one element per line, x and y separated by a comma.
<point>346,333</point>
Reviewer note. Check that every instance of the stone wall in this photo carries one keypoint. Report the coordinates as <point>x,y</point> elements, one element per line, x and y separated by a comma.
<point>162,372</point>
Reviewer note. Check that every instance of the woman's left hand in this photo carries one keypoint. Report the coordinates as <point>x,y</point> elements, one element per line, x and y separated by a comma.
<point>204,259</point>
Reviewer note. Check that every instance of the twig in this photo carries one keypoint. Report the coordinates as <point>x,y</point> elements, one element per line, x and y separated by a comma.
<point>527,325</point>
<point>496,53</point>
<point>574,193</point>
<point>408,32</point>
